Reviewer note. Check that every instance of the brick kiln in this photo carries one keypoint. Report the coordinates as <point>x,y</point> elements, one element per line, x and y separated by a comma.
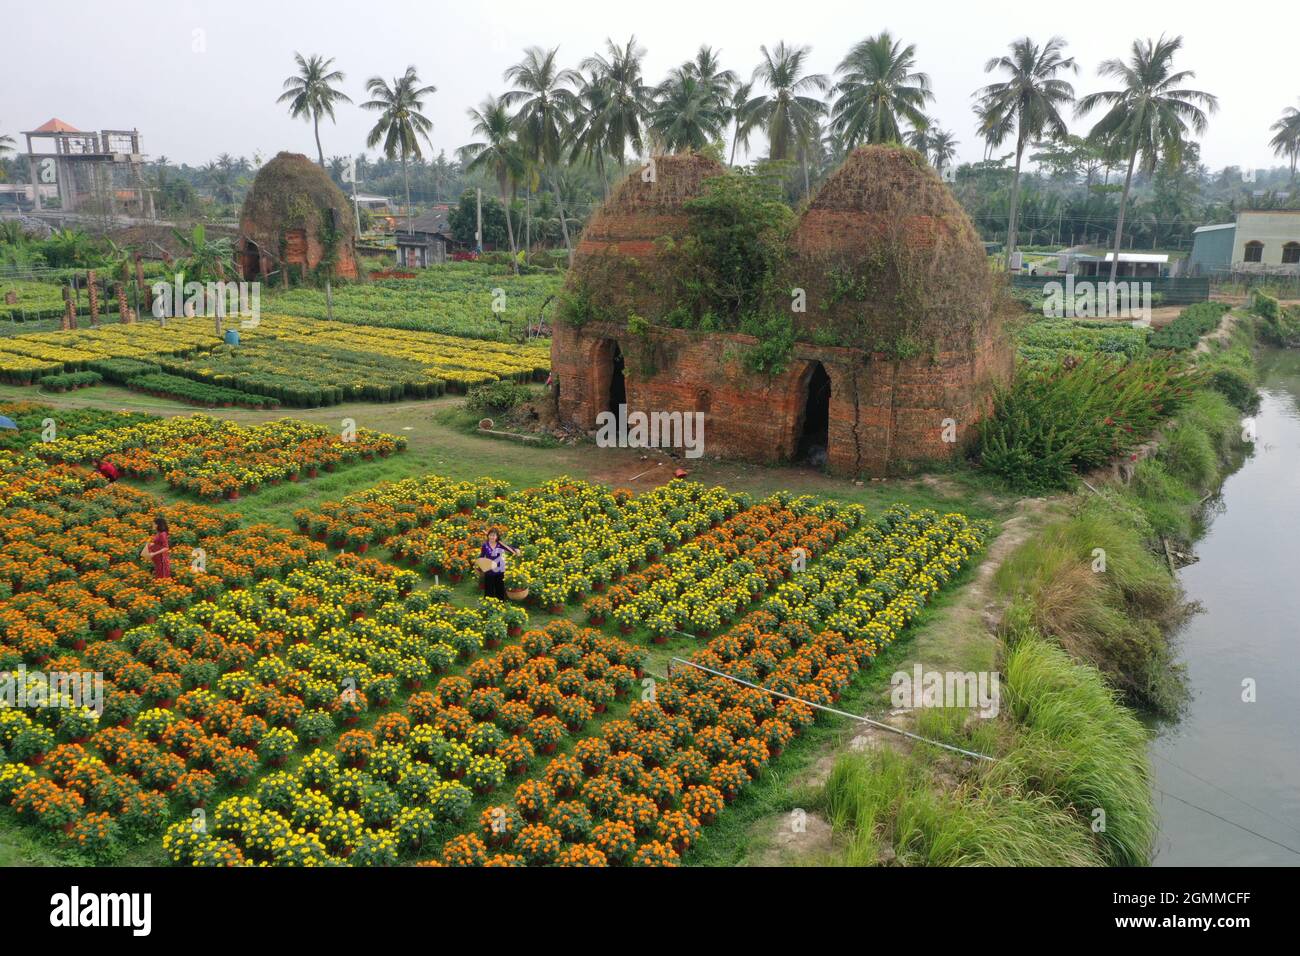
<point>295,221</point>
<point>894,276</point>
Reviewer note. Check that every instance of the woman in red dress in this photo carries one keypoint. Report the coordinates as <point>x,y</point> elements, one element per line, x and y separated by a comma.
<point>159,550</point>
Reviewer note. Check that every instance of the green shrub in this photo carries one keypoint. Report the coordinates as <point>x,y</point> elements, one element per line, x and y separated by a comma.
<point>67,380</point>
<point>1051,423</point>
<point>1186,330</point>
<point>1265,306</point>
<point>122,370</point>
<point>496,397</point>
<point>188,390</point>
<point>1282,328</point>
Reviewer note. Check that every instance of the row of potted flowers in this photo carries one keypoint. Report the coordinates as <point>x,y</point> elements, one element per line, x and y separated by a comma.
<point>217,458</point>
<point>310,646</point>
<point>640,792</point>
<point>385,793</point>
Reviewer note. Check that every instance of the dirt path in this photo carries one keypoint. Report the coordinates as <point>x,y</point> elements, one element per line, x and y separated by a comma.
<point>961,637</point>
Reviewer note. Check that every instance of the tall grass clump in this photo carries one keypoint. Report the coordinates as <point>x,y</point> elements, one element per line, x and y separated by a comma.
<point>1205,437</point>
<point>882,799</point>
<point>1079,744</point>
<point>1090,583</point>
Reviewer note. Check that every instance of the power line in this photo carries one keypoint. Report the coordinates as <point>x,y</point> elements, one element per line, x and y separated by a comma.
<point>1230,823</point>
<point>1228,793</point>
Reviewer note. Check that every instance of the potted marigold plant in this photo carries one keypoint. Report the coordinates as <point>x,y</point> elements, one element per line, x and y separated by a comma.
<point>277,745</point>
<point>518,583</point>
<point>114,621</point>
<point>31,744</point>
<point>545,733</point>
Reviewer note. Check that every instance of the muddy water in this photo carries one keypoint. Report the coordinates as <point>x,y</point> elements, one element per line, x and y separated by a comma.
<point>1233,757</point>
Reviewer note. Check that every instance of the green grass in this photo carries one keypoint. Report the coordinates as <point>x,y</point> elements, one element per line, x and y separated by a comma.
<point>1090,583</point>
<point>882,798</point>
<point>1080,745</point>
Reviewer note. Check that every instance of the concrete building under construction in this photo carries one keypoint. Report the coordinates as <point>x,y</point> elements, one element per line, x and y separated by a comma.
<point>96,173</point>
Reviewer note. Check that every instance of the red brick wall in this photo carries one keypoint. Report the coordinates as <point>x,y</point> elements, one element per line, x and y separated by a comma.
<point>883,414</point>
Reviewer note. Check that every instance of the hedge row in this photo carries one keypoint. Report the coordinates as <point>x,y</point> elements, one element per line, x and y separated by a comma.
<point>68,380</point>
<point>1186,330</point>
<point>164,385</point>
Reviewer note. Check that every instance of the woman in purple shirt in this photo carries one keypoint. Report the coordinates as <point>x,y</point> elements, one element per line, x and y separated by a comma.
<point>494,549</point>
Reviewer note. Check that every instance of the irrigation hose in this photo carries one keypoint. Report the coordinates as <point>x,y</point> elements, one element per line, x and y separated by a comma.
<point>832,710</point>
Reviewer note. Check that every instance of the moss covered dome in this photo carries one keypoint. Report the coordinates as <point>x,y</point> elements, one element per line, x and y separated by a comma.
<point>889,258</point>
<point>295,215</point>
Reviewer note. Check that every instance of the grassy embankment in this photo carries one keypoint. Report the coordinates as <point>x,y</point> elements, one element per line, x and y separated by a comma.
<point>1090,605</point>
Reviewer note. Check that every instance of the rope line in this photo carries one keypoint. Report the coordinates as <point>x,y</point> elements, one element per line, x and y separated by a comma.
<point>832,710</point>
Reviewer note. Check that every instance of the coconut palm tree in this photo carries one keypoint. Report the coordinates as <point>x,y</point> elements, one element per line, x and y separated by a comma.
<point>496,153</point>
<point>687,113</point>
<point>401,125</point>
<point>588,133</point>
<point>1149,114</point>
<point>310,93</point>
<point>620,95</point>
<point>878,87</point>
<point>1029,101</point>
<point>6,144</point>
<point>943,148</point>
<point>1286,142</point>
<point>918,137</point>
<point>743,114</point>
<point>788,114</point>
<point>707,70</point>
<point>546,107</point>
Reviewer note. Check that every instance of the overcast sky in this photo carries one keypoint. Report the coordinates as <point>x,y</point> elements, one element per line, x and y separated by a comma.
<point>199,78</point>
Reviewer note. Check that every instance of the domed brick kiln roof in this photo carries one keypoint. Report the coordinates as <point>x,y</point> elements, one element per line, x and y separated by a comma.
<point>293,193</point>
<point>888,257</point>
<point>617,260</point>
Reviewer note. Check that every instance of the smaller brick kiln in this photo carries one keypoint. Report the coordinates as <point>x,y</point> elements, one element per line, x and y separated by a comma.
<point>296,222</point>
<point>894,275</point>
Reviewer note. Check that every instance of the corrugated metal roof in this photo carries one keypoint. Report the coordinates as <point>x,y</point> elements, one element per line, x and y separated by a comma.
<point>1222,225</point>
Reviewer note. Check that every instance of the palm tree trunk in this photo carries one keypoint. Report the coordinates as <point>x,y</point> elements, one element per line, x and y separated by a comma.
<point>1123,202</point>
<point>564,226</point>
<point>735,140</point>
<point>510,232</point>
<point>406,177</point>
<point>320,155</point>
<point>1015,202</point>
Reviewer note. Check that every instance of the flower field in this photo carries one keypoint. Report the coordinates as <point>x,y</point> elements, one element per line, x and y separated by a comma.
<point>296,361</point>
<point>340,710</point>
<point>25,358</point>
<point>30,416</point>
<point>215,458</point>
<point>454,299</point>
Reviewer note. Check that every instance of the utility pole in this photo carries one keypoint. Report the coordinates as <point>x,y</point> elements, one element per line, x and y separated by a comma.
<point>528,222</point>
<point>478,232</point>
<point>351,172</point>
